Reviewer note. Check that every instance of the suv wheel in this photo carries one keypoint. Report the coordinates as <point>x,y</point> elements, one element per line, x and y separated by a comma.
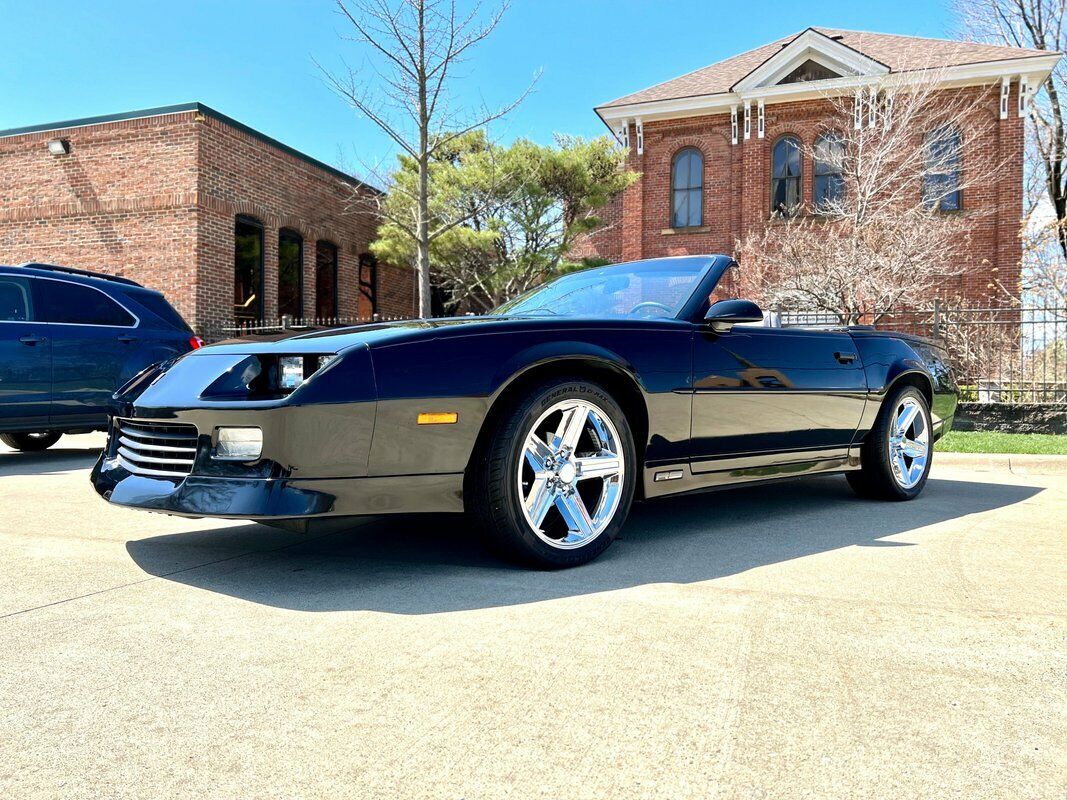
<point>30,442</point>
<point>556,484</point>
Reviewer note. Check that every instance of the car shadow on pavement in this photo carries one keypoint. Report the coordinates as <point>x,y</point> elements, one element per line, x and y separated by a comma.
<point>56,459</point>
<point>434,563</point>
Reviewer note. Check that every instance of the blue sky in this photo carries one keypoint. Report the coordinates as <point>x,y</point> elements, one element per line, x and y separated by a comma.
<point>252,59</point>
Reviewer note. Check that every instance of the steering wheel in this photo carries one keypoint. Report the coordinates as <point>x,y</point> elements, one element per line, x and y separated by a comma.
<point>650,304</point>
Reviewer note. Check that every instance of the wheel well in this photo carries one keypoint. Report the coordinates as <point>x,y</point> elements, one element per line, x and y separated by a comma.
<point>618,384</point>
<point>919,381</point>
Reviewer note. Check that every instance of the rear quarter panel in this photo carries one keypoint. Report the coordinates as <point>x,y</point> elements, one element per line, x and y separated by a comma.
<point>889,356</point>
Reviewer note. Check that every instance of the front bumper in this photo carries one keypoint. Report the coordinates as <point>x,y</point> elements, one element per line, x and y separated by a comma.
<point>276,498</point>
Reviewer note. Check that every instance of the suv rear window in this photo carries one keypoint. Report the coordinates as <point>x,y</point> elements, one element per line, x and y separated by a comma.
<point>159,306</point>
<point>59,301</point>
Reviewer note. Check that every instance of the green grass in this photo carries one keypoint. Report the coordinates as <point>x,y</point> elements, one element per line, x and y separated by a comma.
<point>989,442</point>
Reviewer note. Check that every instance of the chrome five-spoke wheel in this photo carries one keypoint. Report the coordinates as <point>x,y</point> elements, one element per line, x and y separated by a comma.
<point>895,455</point>
<point>571,475</point>
<point>909,442</point>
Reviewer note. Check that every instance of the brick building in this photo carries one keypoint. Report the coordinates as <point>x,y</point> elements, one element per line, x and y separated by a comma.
<point>706,143</point>
<point>230,224</point>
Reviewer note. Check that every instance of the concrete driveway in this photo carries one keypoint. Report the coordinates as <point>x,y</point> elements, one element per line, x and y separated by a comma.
<point>778,642</point>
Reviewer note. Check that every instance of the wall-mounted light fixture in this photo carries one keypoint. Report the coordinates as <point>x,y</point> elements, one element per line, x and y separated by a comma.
<point>59,147</point>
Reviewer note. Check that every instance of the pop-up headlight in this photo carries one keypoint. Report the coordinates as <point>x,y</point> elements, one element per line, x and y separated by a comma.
<point>239,444</point>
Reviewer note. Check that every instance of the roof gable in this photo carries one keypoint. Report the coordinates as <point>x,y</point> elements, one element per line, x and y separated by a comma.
<point>863,52</point>
<point>811,45</point>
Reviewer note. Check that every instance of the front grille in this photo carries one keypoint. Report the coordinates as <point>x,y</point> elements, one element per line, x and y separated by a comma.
<point>155,448</point>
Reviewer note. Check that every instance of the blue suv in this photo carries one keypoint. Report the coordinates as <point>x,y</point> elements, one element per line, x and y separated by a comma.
<point>70,338</point>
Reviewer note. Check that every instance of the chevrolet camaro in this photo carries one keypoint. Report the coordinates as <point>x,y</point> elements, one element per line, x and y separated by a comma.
<point>543,420</point>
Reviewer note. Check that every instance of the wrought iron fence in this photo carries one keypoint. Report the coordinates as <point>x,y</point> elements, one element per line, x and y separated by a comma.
<point>236,329</point>
<point>1010,355</point>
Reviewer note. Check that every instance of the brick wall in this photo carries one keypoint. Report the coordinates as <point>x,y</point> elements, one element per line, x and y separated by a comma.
<point>155,199</point>
<point>737,192</point>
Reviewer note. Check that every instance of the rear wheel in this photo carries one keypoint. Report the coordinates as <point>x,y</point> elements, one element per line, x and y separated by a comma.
<point>896,454</point>
<point>556,482</point>
<point>30,442</point>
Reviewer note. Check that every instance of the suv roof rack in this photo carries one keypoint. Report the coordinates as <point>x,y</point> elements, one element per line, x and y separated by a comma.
<point>83,272</point>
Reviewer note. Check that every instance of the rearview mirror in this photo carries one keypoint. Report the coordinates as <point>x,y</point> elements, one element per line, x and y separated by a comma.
<point>723,315</point>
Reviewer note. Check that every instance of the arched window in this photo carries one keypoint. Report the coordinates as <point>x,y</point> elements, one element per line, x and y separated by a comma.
<point>290,274</point>
<point>247,270</point>
<point>941,180</point>
<point>785,177</point>
<point>687,189</point>
<point>325,280</point>
<point>828,189</point>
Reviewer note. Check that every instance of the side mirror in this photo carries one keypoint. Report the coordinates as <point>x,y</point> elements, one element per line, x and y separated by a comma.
<point>723,315</point>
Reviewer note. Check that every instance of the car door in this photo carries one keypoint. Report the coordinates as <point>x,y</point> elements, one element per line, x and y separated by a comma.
<point>763,395</point>
<point>25,358</point>
<point>92,338</point>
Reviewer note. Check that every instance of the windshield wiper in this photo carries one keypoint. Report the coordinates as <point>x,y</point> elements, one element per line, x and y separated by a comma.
<point>538,308</point>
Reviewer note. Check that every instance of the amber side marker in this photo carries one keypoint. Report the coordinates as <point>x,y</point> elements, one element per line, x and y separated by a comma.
<point>438,417</point>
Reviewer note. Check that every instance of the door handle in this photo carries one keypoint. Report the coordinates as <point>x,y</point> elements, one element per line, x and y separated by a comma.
<point>125,337</point>
<point>845,358</point>
<point>32,340</point>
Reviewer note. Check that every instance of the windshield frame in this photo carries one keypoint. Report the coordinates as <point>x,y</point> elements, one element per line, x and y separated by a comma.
<point>709,270</point>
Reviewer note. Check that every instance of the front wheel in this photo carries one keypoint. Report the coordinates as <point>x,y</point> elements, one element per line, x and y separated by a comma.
<point>556,483</point>
<point>30,442</point>
<point>896,455</point>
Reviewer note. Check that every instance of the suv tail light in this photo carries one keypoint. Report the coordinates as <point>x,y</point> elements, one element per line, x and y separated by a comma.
<point>196,343</point>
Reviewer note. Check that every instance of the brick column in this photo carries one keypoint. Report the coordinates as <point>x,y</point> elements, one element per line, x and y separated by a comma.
<point>1008,258</point>
<point>347,281</point>
<point>633,207</point>
<point>270,271</point>
<point>308,273</point>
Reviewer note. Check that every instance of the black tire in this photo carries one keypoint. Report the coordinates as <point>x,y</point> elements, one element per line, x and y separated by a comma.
<point>876,479</point>
<point>30,442</point>
<point>493,492</point>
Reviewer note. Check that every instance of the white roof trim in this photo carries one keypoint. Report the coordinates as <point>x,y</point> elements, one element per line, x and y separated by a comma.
<point>816,46</point>
<point>1037,67</point>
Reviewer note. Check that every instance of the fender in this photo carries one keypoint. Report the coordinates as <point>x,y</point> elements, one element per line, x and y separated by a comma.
<point>539,355</point>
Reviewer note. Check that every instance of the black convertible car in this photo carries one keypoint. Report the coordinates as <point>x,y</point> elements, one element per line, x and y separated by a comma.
<point>543,419</point>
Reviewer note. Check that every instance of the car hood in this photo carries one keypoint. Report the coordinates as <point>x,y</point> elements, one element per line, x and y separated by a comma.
<point>336,340</point>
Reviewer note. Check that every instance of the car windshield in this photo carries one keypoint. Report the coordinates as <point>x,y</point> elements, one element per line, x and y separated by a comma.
<point>649,289</point>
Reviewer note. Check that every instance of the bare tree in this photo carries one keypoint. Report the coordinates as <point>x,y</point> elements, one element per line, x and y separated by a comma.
<point>414,49</point>
<point>1036,24</point>
<point>876,237</point>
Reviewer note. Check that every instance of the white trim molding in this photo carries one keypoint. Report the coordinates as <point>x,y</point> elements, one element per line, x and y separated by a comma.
<point>640,130</point>
<point>760,126</point>
<point>1005,94</point>
<point>733,124</point>
<point>748,119</point>
<point>1025,91</point>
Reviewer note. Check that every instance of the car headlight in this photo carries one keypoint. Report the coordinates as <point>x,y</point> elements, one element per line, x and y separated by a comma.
<point>239,444</point>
